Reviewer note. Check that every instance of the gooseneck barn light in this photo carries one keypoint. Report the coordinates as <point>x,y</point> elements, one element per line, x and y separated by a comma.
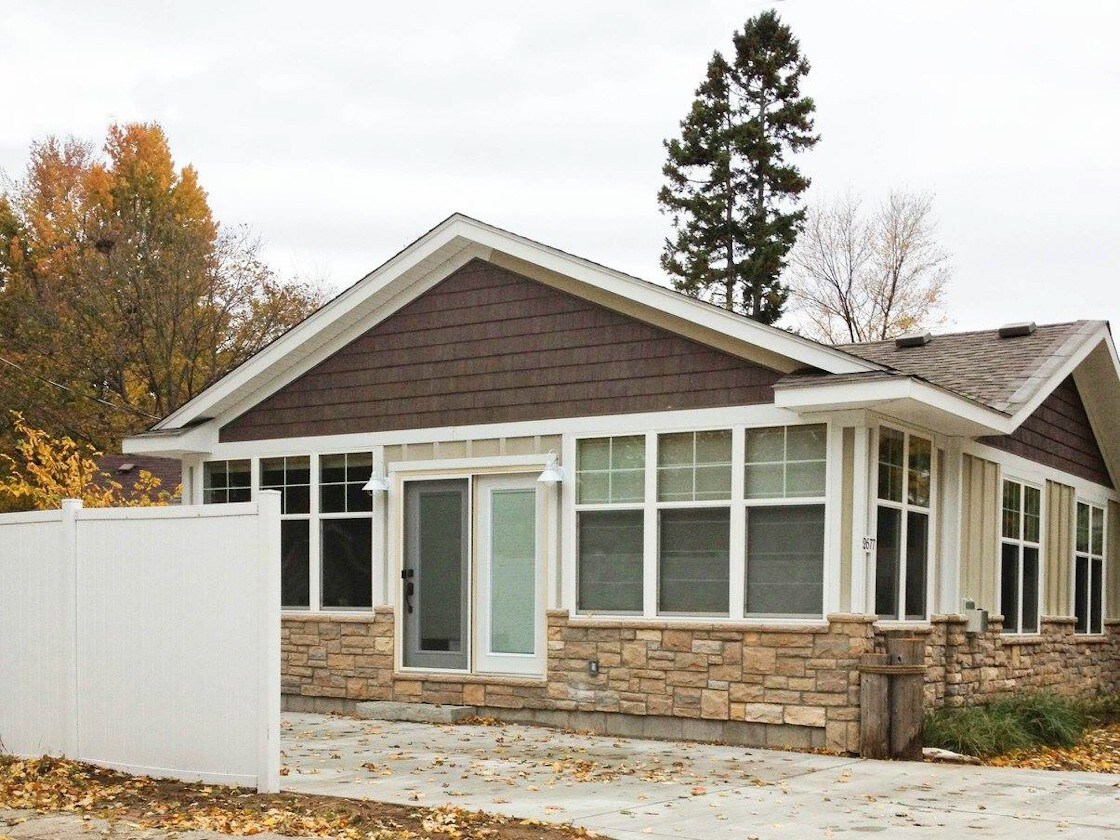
<point>553,473</point>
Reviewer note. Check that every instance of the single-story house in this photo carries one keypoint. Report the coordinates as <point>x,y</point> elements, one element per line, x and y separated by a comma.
<point>597,502</point>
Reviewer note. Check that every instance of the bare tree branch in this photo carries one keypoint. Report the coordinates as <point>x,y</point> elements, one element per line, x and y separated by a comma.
<point>857,277</point>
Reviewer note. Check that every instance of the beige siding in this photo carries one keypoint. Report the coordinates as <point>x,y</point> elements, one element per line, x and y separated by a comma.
<point>979,531</point>
<point>1059,548</point>
<point>847,481</point>
<point>1112,573</point>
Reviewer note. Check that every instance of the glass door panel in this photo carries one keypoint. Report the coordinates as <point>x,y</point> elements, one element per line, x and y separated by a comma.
<point>435,579</point>
<point>510,593</point>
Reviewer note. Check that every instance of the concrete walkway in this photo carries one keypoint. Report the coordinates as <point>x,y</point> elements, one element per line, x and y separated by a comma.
<point>633,790</point>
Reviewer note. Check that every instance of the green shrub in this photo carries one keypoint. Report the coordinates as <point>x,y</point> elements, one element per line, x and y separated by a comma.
<point>1016,723</point>
<point>1104,708</point>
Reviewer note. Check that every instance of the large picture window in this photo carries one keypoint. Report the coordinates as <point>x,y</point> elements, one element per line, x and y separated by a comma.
<point>730,524</point>
<point>1019,551</point>
<point>1088,569</point>
<point>610,495</point>
<point>905,487</point>
<point>785,471</point>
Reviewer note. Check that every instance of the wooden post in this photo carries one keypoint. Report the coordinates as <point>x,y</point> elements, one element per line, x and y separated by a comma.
<point>907,684</point>
<point>874,711</point>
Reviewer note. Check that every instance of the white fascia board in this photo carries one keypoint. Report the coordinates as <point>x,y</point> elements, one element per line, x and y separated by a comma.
<point>319,335</point>
<point>199,440</point>
<point>894,395</point>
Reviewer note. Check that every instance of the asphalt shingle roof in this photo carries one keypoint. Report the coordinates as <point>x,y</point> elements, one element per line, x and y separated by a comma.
<point>1001,373</point>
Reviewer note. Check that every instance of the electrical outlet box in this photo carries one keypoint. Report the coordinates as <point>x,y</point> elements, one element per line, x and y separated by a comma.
<point>593,667</point>
<point>976,620</point>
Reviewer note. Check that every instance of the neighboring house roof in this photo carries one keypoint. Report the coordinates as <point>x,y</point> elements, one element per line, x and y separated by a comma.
<point>126,469</point>
<point>1001,373</point>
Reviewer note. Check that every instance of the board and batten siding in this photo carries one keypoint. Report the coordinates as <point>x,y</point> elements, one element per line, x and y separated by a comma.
<point>1058,563</point>
<point>1059,435</point>
<point>1112,571</point>
<point>487,345</point>
<point>980,499</point>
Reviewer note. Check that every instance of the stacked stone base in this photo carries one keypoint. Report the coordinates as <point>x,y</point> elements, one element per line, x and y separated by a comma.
<point>774,685</point>
<point>965,669</point>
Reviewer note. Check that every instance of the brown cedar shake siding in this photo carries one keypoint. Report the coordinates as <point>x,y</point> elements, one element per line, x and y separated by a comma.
<point>1058,434</point>
<point>487,345</point>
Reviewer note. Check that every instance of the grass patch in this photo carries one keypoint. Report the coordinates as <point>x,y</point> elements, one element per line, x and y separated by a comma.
<point>1017,723</point>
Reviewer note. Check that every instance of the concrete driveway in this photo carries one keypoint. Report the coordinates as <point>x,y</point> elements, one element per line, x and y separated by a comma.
<point>633,790</point>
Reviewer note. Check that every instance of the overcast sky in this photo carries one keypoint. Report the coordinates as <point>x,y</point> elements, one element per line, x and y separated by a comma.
<point>341,131</point>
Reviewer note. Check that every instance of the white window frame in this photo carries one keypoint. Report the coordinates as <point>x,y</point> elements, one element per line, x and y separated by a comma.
<point>1022,542</point>
<point>738,506</point>
<point>1090,556</point>
<point>322,516</point>
<point>727,504</point>
<point>905,507</point>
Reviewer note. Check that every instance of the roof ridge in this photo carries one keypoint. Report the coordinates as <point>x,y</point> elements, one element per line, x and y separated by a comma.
<point>1079,322</point>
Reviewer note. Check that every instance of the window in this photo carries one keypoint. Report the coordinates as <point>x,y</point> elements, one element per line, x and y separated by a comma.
<point>610,492</point>
<point>1088,573</point>
<point>785,462</point>
<point>292,477</point>
<point>346,531</point>
<point>902,532</point>
<point>731,523</point>
<point>785,469</point>
<point>226,481</point>
<point>694,542</point>
<point>1019,551</point>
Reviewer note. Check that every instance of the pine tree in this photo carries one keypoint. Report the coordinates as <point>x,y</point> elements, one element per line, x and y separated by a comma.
<point>731,190</point>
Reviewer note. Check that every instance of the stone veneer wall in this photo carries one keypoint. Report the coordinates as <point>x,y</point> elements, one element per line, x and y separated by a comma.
<point>774,685</point>
<point>965,669</point>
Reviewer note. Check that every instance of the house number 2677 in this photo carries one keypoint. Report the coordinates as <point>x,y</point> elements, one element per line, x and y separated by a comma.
<point>869,543</point>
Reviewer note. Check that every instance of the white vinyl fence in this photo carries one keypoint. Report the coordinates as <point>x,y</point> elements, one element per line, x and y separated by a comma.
<point>145,639</point>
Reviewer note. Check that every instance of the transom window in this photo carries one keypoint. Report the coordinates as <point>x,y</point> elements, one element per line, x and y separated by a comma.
<point>1088,574</point>
<point>1020,534</point>
<point>226,481</point>
<point>714,533</point>
<point>902,534</point>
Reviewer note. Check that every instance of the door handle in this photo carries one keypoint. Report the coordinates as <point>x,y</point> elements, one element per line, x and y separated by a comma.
<point>409,589</point>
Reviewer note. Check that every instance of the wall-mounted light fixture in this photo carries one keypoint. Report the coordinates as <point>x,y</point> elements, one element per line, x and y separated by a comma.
<point>553,473</point>
<point>377,483</point>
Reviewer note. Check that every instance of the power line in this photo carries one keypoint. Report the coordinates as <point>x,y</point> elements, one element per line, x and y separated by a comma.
<point>68,389</point>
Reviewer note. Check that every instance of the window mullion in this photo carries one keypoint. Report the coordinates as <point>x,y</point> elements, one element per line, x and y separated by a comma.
<point>650,530</point>
<point>738,537</point>
<point>314,542</point>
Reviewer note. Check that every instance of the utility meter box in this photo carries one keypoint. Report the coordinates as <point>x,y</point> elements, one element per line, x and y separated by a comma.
<point>976,619</point>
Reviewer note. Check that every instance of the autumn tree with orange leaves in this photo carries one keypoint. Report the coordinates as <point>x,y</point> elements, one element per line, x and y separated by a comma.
<point>121,297</point>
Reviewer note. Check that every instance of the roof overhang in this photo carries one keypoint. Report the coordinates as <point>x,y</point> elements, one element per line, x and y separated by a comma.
<point>906,398</point>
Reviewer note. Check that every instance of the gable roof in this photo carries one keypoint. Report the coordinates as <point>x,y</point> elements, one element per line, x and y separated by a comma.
<point>1001,373</point>
<point>447,247</point>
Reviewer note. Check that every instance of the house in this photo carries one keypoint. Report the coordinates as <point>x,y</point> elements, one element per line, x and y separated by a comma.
<point>126,471</point>
<point>607,505</point>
